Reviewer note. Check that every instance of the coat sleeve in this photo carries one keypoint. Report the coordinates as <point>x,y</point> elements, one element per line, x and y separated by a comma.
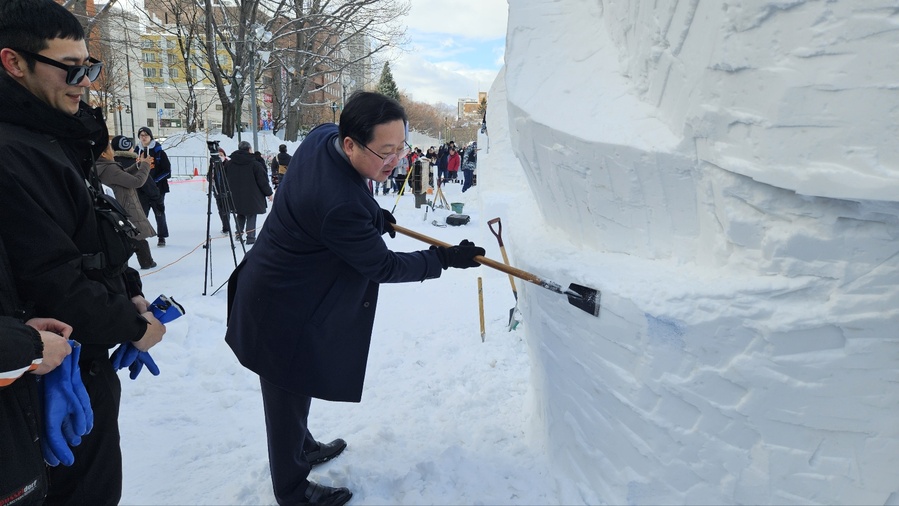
<point>48,271</point>
<point>20,350</point>
<point>163,168</point>
<point>261,179</point>
<point>354,235</point>
<point>132,177</point>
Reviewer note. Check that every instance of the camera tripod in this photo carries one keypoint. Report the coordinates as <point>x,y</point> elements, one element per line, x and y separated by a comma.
<point>221,191</point>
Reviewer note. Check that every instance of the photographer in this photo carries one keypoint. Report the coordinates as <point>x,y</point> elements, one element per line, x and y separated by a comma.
<point>249,189</point>
<point>218,185</point>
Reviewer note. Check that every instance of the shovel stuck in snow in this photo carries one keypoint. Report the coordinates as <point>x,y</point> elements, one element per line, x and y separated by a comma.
<point>581,297</point>
<point>514,313</point>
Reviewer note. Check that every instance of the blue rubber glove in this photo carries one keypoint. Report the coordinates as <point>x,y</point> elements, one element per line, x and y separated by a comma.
<point>123,356</point>
<point>126,355</point>
<point>67,411</point>
<point>143,359</point>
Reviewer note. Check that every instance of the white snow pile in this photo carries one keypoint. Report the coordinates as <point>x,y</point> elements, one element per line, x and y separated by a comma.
<point>727,174</point>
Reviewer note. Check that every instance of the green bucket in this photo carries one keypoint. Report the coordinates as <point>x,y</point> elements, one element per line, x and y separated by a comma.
<point>457,207</point>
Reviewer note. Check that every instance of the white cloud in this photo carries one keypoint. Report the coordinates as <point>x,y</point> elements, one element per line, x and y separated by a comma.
<point>477,19</point>
<point>456,49</point>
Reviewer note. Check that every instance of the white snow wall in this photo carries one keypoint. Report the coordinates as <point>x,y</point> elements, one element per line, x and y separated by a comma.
<point>727,173</point>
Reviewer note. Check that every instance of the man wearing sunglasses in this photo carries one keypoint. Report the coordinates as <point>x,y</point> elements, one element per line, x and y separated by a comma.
<point>316,267</point>
<point>48,141</point>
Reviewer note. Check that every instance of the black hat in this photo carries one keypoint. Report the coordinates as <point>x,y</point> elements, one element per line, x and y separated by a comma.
<point>122,143</point>
<point>145,129</point>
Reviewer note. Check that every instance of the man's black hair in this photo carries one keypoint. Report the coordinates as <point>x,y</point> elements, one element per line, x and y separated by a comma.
<point>29,24</point>
<point>364,111</point>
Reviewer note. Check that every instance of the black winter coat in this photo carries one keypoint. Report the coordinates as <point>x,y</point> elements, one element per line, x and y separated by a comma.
<point>248,183</point>
<point>23,477</point>
<point>314,273</point>
<point>48,224</point>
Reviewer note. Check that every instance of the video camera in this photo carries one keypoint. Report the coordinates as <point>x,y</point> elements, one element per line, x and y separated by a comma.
<point>213,148</point>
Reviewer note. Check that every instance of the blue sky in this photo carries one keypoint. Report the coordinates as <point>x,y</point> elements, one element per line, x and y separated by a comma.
<point>456,49</point>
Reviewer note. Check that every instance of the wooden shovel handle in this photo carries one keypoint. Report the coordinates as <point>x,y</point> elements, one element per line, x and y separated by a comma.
<point>497,233</point>
<point>508,269</point>
<point>502,249</point>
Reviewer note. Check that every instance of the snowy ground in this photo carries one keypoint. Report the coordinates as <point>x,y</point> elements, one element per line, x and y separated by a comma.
<point>445,418</point>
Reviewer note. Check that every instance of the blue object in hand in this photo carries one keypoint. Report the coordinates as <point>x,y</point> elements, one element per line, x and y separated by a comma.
<point>165,309</point>
<point>126,355</point>
<point>67,410</point>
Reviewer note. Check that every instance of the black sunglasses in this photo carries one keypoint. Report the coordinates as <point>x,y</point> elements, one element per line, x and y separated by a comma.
<point>74,73</point>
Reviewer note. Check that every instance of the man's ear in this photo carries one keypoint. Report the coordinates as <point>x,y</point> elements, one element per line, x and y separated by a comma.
<point>13,63</point>
<point>348,144</point>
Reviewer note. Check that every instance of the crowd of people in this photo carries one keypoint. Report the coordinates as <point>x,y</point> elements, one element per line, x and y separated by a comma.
<point>69,302</point>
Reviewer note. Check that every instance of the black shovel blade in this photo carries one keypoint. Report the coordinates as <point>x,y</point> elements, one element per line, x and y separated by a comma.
<point>588,300</point>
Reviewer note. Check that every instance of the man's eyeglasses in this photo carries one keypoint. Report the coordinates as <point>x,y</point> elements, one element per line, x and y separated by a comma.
<point>393,158</point>
<point>74,73</point>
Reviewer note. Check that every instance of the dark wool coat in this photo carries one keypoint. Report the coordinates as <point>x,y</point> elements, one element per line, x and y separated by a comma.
<point>304,297</point>
<point>248,182</point>
<point>47,222</point>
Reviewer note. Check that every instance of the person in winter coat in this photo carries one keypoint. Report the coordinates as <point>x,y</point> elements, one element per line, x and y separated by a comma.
<point>442,158</point>
<point>469,165</point>
<point>453,162</point>
<point>249,189</point>
<point>27,350</point>
<point>48,139</point>
<point>279,165</point>
<point>222,194</point>
<point>316,270</point>
<point>160,171</point>
<point>124,171</point>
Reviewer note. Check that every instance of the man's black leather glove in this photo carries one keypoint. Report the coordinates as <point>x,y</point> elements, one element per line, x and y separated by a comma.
<point>388,219</point>
<point>459,257</point>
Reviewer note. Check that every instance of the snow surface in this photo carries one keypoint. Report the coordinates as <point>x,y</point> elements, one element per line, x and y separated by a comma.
<point>724,172</point>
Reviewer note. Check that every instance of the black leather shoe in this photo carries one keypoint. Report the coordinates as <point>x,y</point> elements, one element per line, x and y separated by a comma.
<point>325,452</point>
<point>327,496</point>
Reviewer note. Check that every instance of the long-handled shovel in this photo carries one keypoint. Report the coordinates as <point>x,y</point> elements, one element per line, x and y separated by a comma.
<point>581,297</point>
<point>498,233</point>
<point>402,188</point>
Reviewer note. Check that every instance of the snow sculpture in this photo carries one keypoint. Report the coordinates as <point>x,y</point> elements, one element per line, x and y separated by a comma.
<point>727,173</point>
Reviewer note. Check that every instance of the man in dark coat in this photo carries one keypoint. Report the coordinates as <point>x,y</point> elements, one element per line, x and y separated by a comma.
<point>48,138</point>
<point>249,189</point>
<point>315,271</point>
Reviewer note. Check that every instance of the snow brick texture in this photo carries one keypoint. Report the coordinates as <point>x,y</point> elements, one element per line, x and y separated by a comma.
<point>729,172</point>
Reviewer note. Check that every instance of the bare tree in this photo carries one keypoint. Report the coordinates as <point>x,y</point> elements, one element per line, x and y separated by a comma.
<point>315,41</point>
<point>184,21</point>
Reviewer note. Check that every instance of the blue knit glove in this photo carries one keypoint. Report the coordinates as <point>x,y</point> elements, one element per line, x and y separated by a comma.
<point>126,355</point>
<point>67,410</point>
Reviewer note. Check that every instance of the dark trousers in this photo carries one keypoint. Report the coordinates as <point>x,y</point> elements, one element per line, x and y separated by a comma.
<point>468,177</point>
<point>248,221</point>
<point>158,207</point>
<point>144,256</point>
<point>286,416</point>
<point>96,476</point>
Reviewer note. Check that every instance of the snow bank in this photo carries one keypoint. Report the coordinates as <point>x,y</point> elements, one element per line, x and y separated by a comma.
<point>726,174</point>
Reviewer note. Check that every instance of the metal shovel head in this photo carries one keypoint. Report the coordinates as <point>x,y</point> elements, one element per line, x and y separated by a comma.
<point>588,300</point>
